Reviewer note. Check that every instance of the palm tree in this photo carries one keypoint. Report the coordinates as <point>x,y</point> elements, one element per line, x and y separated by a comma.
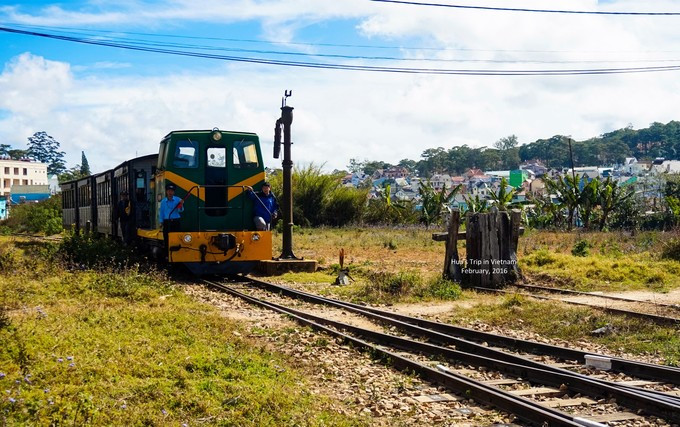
<point>566,190</point>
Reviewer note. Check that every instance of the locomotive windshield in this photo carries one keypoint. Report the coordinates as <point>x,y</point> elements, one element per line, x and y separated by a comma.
<point>245,154</point>
<point>186,154</point>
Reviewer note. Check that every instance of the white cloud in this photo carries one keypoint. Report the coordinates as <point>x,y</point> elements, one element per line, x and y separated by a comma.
<point>340,115</point>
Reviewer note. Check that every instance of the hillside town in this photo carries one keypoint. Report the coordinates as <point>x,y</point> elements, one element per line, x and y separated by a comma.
<point>528,180</point>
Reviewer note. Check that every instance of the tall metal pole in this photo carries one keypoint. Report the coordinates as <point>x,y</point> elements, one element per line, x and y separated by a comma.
<point>286,120</point>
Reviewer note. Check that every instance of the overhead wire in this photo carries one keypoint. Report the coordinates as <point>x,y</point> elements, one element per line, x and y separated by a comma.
<point>141,42</point>
<point>523,9</point>
<point>96,32</point>
<point>340,66</point>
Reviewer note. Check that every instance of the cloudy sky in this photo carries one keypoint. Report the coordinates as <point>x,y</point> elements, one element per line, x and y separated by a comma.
<point>114,103</point>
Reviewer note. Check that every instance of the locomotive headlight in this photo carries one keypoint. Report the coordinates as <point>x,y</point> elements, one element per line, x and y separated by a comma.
<point>216,134</point>
<point>187,238</point>
<point>255,237</point>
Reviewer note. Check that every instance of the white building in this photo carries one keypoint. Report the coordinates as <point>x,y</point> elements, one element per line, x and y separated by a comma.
<point>21,172</point>
<point>439,181</point>
<point>666,166</point>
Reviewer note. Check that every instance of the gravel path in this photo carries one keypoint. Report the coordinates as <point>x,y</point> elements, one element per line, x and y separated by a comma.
<point>354,383</point>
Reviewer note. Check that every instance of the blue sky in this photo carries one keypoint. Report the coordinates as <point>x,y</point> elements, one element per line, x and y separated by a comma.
<point>113,103</point>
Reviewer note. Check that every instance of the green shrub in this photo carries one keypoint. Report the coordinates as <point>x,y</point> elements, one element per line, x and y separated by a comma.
<point>442,289</point>
<point>540,258</point>
<point>395,284</point>
<point>320,199</point>
<point>42,217</point>
<point>671,250</point>
<point>88,250</point>
<point>581,248</point>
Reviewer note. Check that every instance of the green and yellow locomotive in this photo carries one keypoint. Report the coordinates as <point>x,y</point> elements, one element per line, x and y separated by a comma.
<point>210,170</point>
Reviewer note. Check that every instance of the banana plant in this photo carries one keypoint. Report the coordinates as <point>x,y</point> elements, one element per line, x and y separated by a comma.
<point>503,199</point>
<point>434,202</point>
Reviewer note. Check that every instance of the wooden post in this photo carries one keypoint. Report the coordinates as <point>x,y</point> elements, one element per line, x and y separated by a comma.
<point>513,241</point>
<point>452,268</point>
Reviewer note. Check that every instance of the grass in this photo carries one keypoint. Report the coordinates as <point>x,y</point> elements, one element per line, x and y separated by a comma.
<point>601,261</point>
<point>130,348</point>
<point>574,324</point>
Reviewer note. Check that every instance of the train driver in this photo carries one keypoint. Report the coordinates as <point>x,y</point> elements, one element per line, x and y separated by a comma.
<point>265,206</point>
<point>169,213</point>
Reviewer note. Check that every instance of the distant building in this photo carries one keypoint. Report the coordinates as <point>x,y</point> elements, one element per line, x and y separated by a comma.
<point>440,181</point>
<point>535,166</point>
<point>665,166</point>
<point>21,172</point>
<point>29,193</point>
<point>395,172</point>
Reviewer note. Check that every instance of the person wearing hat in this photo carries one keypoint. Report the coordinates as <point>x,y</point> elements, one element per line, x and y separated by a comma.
<point>124,214</point>
<point>169,212</point>
<point>265,206</point>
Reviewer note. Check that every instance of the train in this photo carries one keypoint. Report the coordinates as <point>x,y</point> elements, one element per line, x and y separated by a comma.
<point>211,171</point>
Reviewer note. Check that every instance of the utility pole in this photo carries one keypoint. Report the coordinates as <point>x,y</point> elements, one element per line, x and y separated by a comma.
<point>285,122</point>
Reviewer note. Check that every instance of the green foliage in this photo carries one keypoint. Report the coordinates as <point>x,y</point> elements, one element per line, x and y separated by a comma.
<point>84,165</point>
<point>540,258</point>
<point>41,217</point>
<point>434,202</point>
<point>384,211</point>
<point>671,250</point>
<point>440,288</point>
<point>476,205</point>
<point>503,198</point>
<point>91,251</point>
<point>320,199</point>
<point>581,248</point>
<point>44,148</point>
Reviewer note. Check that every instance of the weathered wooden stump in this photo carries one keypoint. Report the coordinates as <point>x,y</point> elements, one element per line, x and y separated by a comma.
<point>491,241</point>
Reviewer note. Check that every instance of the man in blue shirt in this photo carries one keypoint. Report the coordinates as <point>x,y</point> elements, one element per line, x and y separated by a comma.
<point>169,212</point>
<point>265,206</point>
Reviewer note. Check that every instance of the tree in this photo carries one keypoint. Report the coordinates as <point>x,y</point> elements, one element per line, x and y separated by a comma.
<point>611,195</point>
<point>17,154</point>
<point>434,202</point>
<point>506,143</point>
<point>73,173</point>
<point>4,149</point>
<point>503,198</point>
<point>84,165</point>
<point>588,200</point>
<point>568,196</point>
<point>44,148</point>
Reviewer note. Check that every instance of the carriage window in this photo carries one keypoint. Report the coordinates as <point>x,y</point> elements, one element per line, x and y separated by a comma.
<point>245,154</point>
<point>186,154</point>
<point>217,157</point>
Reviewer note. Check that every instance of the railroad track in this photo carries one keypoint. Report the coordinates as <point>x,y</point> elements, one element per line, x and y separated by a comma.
<point>530,389</point>
<point>537,288</point>
<point>655,318</point>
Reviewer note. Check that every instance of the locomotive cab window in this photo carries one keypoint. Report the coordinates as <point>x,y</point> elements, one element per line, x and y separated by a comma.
<point>245,155</point>
<point>217,157</point>
<point>186,154</point>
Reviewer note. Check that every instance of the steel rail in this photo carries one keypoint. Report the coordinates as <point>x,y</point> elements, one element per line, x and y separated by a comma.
<point>524,409</point>
<point>629,367</point>
<point>632,398</point>
<point>592,294</point>
<point>659,320</point>
<point>652,401</point>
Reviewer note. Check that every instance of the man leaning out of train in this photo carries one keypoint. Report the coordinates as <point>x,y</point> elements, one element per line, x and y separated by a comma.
<point>169,213</point>
<point>265,206</point>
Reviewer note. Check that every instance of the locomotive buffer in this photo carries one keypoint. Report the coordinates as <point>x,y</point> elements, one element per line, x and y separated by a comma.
<point>287,261</point>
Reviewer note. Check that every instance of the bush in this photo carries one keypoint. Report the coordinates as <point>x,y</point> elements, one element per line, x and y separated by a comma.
<point>89,251</point>
<point>581,248</point>
<point>320,199</point>
<point>540,258</point>
<point>443,289</point>
<point>42,217</point>
<point>671,250</point>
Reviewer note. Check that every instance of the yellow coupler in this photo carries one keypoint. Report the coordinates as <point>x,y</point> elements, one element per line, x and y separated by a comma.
<point>254,246</point>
